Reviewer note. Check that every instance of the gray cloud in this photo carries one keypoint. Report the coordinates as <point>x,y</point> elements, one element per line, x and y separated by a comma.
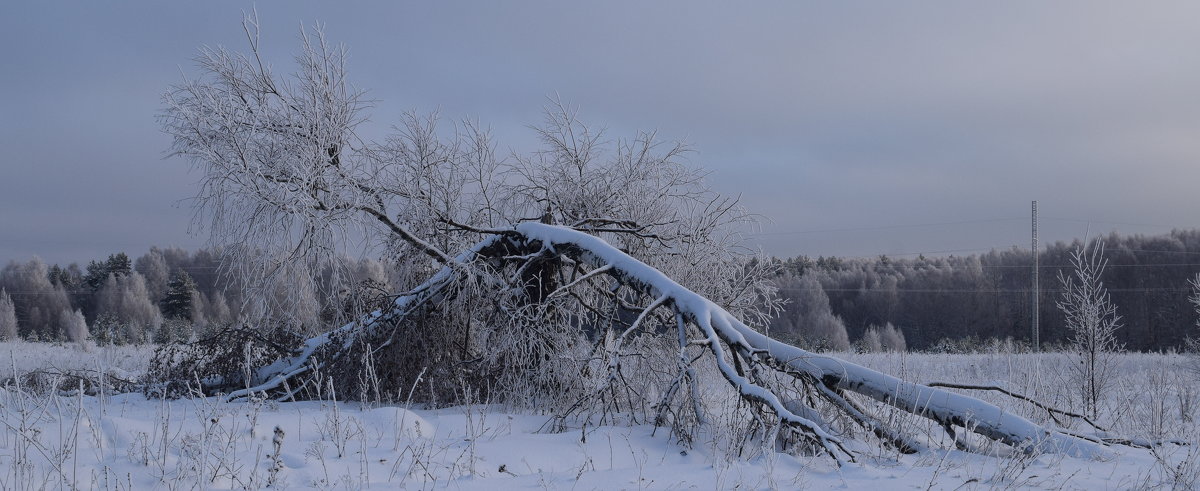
<point>822,117</point>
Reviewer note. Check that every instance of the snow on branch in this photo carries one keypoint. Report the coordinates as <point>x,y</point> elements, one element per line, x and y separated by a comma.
<point>945,407</point>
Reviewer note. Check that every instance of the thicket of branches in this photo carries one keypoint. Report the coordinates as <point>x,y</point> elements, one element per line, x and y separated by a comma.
<point>284,170</point>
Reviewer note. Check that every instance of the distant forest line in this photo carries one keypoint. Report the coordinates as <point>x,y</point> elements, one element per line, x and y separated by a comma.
<point>172,294</point>
<point>979,297</point>
<point>922,303</point>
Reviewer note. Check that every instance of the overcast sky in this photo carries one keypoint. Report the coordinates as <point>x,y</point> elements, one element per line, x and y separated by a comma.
<point>853,128</point>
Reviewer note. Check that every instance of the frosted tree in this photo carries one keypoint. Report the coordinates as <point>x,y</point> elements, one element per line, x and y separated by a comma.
<point>127,299</point>
<point>1092,320</point>
<point>1193,343</point>
<point>107,329</point>
<point>1195,298</point>
<point>870,341</point>
<point>199,314</point>
<point>574,277</point>
<point>293,301</point>
<point>809,318</point>
<point>886,338</point>
<point>892,338</point>
<point>215,309</point>
<point>8,317</point>
<point>154,268</point>
<point>39,302</point>
<point>74,326</point>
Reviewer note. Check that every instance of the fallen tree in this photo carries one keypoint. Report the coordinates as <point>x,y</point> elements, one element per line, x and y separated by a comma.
<point>617,290</point>
<point>741,353</point>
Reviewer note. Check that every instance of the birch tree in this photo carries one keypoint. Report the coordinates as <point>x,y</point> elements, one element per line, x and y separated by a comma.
<point>1092,320</point>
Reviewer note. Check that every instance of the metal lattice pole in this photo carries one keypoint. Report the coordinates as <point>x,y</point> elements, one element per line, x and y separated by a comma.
<point>1036,292</point>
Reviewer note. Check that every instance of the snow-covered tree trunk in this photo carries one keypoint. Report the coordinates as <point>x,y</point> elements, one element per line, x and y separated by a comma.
<point>738,350</point>
<point>718,326</point>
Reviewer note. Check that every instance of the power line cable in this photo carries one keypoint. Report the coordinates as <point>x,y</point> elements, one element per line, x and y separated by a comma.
<point>957,290</point>
<point>887,227</point>
<point>1087,220</point>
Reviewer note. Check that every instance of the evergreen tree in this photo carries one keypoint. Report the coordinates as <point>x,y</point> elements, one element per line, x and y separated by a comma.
<point>97,273</point>
<point>57,276</point>
<point>8,317</point>
<point>119,264</point>
<point>173,330</point>
<point>69,278</point>
<point>107,330</point>
<point>178,302</point>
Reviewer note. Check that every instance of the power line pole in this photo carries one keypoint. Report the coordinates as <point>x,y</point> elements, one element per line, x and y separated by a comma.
<point>1036,345</point>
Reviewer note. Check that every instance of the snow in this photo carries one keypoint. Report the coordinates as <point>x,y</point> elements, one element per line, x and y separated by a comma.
<point>945,406</point>
<point>126,441</point>
<point>22,357</point>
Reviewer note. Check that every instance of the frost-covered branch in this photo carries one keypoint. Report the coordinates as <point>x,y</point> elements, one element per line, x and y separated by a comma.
<point>1051,410</point>
<point>719,326</point>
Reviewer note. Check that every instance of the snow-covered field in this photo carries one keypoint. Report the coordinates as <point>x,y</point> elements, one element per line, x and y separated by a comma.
<point>125,441</point>
<point>129,360</point>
